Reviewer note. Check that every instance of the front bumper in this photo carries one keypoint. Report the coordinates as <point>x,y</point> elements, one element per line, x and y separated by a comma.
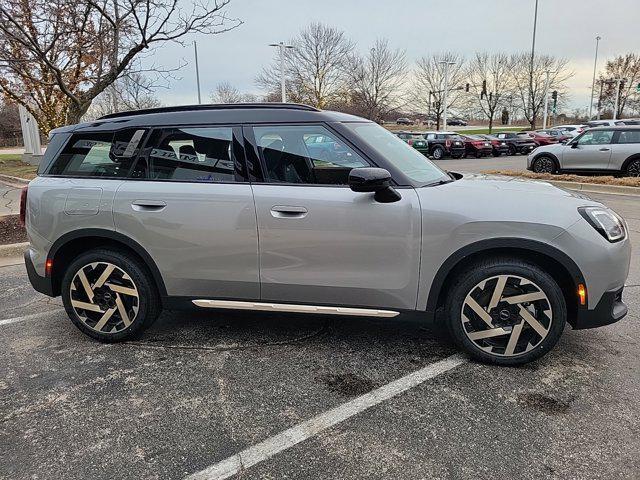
<point>609,309</point>
<point>40,284</point>
<point>526,149</point>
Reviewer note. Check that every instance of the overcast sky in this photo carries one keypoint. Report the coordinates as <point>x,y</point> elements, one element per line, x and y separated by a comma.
<point>565,28</point>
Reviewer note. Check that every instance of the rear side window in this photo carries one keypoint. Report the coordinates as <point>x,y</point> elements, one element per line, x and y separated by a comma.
<point>108,154</point>
<point>629,136</point>
<point>201,154</point>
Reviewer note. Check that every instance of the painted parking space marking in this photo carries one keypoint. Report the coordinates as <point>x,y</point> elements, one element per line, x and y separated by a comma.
<point>9,321</point>
<point>305,430</point>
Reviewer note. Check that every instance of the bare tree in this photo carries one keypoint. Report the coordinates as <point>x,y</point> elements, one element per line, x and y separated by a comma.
<point>625,67</point>
<point>133,91</point>
<point>430,80</point>
<point>376,80</point>
<point>529,86</point>
<point>57,56</point>
<point>490,82</point>
<point>315,67</point>
<point>226,93</point>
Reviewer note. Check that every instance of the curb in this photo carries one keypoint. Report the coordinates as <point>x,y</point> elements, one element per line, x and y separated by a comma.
<point>15,180</point>
<point>596,187</point>
<point>13,249</point>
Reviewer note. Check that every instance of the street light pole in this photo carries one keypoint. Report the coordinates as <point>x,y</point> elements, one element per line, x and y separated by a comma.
<point>593,83</point>
<point>281,46</point>
<point>546,100</point>
<point>615,105</point>
<point>446,91</point>
<point>533,49</point>
<point>195,49</point>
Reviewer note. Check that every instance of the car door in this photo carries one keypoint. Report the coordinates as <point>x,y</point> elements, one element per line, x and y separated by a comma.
<point>321,243</point>
<point>189,204</point>
<point>590,151</point>
<point>626,143</point>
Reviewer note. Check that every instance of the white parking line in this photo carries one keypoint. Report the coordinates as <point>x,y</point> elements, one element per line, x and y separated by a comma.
<point>9,321</point>
<point>301,432</point>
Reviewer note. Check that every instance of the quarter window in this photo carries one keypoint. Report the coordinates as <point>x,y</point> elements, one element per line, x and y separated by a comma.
<point>106,154</point>
<point>193,155</point>
<point>305,154</point>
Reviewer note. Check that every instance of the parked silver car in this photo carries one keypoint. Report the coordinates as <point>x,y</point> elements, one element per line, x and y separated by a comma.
<point>604,149</point>
<point>237,207</point>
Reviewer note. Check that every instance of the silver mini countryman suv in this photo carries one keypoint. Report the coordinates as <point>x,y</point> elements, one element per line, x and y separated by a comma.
<point>286,208</point>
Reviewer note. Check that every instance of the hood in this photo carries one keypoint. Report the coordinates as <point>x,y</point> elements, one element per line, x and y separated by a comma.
<point>515,185</point>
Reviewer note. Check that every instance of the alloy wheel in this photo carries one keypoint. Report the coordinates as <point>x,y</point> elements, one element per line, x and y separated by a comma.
<point>437,154</point>
<point>506,315</point>
<point>634,169</point>
<point>543,165</point>
<point>104,297</point>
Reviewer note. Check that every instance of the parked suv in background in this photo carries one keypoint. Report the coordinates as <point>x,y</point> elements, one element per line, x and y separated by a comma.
<point>226,207</point>
<point>442,144</point>
<point>477,146</point>
<point>499,147</point>
<point>606,149</point>
<point>517,143</point>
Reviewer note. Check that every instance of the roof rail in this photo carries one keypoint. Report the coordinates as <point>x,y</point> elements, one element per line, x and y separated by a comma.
<point>211,106</point>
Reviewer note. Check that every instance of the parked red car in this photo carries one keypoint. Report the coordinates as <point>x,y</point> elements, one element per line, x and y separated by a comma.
<point>540,139</point>
<point>557,134</point>
<point>477,146</point>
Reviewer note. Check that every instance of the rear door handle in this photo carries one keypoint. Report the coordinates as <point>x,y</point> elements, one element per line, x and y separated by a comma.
<point>288,211</point>
<point>148,205</point>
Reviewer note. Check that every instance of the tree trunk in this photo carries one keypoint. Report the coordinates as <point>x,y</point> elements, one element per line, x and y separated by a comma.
<point>490,122</point>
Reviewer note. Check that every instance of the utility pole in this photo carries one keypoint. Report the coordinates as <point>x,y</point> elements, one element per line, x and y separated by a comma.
<point>446,64</point>
<point>599,100</point>
<point>546,100</point>
<point>615,105</point>
<point>281,46</point>
<point>533,49</point>
<point>593,83</point>
<point>195,50</point>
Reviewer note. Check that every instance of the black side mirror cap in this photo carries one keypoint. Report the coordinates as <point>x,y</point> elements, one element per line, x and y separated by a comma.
<point>376,180</point>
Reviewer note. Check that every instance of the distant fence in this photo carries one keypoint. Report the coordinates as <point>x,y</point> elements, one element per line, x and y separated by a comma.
<point>11,139</point>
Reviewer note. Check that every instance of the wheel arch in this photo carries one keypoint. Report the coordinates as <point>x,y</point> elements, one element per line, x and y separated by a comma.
<point>559,265</point>
<point>72,244</point>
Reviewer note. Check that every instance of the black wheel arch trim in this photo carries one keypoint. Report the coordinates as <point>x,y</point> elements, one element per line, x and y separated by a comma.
<point>495,243</point>
<point>115,236</point>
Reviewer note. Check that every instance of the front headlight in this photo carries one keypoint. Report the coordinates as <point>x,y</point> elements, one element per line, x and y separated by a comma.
<point>605,221</point>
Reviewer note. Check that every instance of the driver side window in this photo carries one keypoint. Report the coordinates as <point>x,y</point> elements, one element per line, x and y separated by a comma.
<point>600,137</point>
<point>305,154</point>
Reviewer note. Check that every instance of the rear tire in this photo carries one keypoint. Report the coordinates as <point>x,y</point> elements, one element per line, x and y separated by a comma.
<point>633,169</point>
<point>512,150</point>
<point>110,295</point>
<point>485,324</point>
<point>438,153</point>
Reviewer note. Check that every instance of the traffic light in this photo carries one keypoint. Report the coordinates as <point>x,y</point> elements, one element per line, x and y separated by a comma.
<point>466,88</point>
<point>638,88</point>
<point>484,89</point>
<point>554,95</point>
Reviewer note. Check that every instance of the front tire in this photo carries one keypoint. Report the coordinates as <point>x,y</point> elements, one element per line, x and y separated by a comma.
<point>109,295</point>
<point>544,164</point>
<point>505,311</point>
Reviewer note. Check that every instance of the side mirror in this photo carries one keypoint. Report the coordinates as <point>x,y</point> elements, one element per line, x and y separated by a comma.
<point>573,144</point>
<point>376,180</point>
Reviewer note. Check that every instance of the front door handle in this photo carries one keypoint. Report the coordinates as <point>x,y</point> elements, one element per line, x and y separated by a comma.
<point>148,205</point>
<point>288,211</point>
<point>605,149</point>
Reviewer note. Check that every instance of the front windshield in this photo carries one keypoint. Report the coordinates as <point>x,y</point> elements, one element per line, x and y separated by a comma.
<point>402,156</point>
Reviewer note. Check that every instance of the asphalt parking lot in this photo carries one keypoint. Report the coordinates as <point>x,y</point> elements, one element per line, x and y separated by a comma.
<point>197,389</point>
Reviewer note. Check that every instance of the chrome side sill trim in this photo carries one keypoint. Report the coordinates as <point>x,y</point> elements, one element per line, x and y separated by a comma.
<point>283,307</point>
